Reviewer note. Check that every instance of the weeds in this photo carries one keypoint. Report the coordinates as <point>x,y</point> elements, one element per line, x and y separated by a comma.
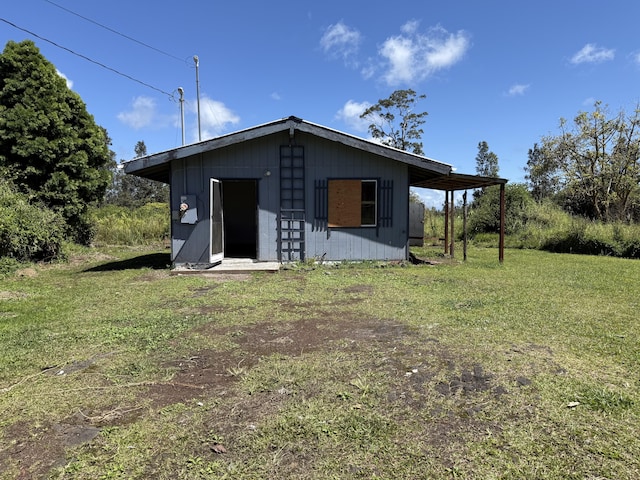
<point>604,399</point>
<point>458,370</point>
<point>546,227</point>
<point>145,225</point>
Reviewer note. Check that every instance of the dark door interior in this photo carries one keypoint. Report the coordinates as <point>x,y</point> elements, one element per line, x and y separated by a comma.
<point>240,206</point>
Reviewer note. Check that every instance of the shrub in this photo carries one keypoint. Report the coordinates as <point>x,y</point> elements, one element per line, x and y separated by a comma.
<point>28,232</point>
<point>484,214</point>
<point>546,226</point>
<point>549,228</point>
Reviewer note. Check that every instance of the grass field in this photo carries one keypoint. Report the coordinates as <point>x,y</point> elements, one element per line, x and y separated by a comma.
<point>110,367</point>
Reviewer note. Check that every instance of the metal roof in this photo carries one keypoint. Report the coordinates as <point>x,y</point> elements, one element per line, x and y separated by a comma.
<point>456,181</point>
<point>423,172</point>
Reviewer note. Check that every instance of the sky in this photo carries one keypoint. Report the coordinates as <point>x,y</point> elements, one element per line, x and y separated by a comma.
<point>504,72</point>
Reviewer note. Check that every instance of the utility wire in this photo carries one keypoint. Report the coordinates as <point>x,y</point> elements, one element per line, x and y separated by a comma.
<point>170,95</point>
<point>116,32</point>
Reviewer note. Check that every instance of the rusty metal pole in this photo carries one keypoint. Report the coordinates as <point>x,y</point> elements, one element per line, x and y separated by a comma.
<point>502,224</point>
<point>464,226</point>
<point>453,216</point>
<point>446,222</point>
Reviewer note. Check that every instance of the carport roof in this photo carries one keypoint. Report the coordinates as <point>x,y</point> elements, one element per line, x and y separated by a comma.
<point>457,181</point>
<point>423,172</point>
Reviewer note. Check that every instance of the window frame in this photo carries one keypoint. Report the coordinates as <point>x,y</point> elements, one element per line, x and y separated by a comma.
<point>341,214</point>
<point>365,203</point>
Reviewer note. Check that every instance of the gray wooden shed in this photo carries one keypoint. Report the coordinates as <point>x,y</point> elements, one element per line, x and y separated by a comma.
<point>288,190</point>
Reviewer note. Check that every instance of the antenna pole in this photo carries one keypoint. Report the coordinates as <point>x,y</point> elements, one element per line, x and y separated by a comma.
<point>181,92</point>
<point>197,62</point>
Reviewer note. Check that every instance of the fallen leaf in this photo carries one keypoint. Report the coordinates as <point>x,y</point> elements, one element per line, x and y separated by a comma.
<point>573,404</point>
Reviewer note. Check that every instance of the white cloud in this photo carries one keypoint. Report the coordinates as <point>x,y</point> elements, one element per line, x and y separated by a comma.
<point>143,113</point>
<point>591,53</point>
<point>350,115</point>
<point>430,198</point>
<point>410,27</point>
<point>341,41</point>
<point>368,70</point>
<point>517,89</point>
<point>412,56</point>
<point>276,96</point>
<point>62,75</point>
<point>215,118</point>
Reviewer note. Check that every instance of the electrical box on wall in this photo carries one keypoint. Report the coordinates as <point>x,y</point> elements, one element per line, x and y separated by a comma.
<point>188,210</point>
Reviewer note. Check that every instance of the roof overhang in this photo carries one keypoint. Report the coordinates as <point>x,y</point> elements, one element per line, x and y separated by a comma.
<point>157,166</point>
<point>457,181</point>
<point>423,172</point>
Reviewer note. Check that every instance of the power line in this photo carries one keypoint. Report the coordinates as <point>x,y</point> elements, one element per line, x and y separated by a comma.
<point>84,57</point>
<point>116,32</point>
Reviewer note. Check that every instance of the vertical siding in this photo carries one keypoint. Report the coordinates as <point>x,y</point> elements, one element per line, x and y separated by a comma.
<point>324,160</point>
<point>250,160</point>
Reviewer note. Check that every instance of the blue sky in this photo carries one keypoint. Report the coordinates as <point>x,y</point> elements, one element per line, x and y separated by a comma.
<point>503,72</point>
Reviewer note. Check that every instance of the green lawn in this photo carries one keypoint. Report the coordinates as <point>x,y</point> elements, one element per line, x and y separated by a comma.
<point>112,368</point>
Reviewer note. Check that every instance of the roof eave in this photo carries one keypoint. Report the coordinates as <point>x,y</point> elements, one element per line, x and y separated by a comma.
<point>159,162</point>
<point>458,181</point>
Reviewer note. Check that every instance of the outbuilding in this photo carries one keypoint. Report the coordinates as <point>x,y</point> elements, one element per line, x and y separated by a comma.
<point>292,190</point>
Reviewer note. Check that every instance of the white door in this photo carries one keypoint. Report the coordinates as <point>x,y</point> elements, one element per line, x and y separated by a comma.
<point>216,252</point>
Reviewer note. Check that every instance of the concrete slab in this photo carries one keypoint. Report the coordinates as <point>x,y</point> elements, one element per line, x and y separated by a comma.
<point>230,265</point>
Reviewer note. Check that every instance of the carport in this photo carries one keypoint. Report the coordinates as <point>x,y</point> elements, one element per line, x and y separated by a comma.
<point>458,182</point>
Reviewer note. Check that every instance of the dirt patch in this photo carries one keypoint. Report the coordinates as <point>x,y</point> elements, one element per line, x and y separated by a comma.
<point>388,346</point>
<point>217,277</point>
<point>35,451</point>
<point>83,259</point>
<point>27,273</point>
<point>467,382</point>
<point>4,295</point>
<point>366,289</point>
<point>153,276</point>
<point>208,373</point>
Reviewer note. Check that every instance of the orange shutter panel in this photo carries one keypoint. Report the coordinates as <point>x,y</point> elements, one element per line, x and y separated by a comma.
<point>345,203</point>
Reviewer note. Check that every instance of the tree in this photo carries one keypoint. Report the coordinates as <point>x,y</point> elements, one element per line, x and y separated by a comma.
<point>485,214</point>
<point>50,147</point>
<point>599,163</point>
<point>542,173</point>
<point>133,192</point>
<point>394,122</point>
<point>486,161</point>
<point>486,166</point>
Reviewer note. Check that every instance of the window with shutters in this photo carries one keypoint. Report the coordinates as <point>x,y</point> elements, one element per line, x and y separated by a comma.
<point>352,203</point>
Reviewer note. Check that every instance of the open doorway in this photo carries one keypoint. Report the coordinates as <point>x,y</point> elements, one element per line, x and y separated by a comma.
<point>240,200</point>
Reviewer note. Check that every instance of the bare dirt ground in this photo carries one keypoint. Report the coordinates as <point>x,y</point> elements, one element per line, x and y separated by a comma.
<point>207,373</point>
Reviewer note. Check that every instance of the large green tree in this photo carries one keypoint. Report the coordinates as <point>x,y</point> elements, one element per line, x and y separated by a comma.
<point>597,163</point>
<point>395,123</point>
<point>50,146</point>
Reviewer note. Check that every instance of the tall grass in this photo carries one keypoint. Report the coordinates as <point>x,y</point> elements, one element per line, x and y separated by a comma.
<point>146,225</point>
<point>433,226</point>
<point>545,226</point>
